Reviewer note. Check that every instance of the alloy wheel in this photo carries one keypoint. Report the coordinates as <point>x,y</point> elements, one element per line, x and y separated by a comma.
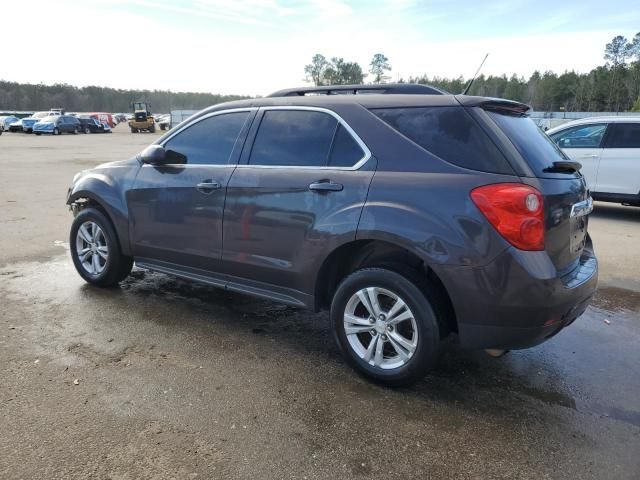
<point>380,328</point>
<point>91,248</point>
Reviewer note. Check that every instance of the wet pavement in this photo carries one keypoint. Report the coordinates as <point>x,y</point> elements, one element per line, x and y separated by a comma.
<point>179,380</point>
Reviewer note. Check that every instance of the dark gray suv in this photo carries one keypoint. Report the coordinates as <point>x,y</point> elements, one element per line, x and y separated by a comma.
<point>410,213</point>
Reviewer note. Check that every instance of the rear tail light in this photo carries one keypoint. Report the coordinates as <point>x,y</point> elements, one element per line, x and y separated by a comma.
<point>515,211</point>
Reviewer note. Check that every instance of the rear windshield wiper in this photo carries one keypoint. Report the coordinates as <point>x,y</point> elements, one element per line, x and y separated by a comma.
<point>563,166</point>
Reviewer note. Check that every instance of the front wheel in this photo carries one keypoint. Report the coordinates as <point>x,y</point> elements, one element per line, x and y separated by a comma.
<point>95,249</point>
<point>385,326</point>
<point>87,130</point>
<point>56,131</point>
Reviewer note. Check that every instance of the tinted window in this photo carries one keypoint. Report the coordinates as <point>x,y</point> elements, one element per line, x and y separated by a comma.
<point>533,144</point>
<point>345,151</point>
<point>450,133</point>
<point>210,141</point>
<point>624,135</point>
<point>293,137</point>
<point>583,136</point>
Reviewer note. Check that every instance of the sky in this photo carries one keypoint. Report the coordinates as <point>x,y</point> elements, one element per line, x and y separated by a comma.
<point>253,47</point>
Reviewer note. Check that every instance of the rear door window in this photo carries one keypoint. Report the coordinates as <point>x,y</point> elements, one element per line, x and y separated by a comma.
<point>294,138</point>
<point>623,135</point>
<point>583,136</point>
<point>345,151</point>
<point>449,133</point>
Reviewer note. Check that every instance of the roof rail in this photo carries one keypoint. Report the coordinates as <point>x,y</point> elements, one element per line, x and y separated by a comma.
<point>385,88</point>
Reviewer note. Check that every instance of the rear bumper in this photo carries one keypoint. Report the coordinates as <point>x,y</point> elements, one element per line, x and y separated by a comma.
<point>518,300</point>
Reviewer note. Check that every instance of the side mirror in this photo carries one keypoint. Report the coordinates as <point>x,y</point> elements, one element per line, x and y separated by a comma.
<point>157,155</point>
<point>154,155</point>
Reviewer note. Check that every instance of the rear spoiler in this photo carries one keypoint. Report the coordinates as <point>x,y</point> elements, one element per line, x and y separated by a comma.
<point>494,104</point>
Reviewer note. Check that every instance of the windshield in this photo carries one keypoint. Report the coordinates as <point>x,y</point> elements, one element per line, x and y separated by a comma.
<point>49,119</point>
<point>40,115</point>
<point>532,143</point>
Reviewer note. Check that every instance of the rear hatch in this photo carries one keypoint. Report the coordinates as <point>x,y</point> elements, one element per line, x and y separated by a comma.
<point>541,164</point>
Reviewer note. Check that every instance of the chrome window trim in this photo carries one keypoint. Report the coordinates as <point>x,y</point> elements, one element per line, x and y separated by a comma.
<point>341,121</point>
<point>189,123</point>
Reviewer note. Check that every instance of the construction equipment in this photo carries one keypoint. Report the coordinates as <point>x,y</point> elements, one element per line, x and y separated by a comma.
<point>142,118</point>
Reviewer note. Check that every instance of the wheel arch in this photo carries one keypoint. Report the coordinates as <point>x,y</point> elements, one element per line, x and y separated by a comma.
<point>97,193</point>
<point>366,253</point>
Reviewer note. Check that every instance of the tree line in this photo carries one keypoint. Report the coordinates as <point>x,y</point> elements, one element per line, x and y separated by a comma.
<point>613,86</point>
<point>28,97</point>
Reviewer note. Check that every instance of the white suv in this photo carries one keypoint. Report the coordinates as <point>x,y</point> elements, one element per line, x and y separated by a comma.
<point>609,150</point>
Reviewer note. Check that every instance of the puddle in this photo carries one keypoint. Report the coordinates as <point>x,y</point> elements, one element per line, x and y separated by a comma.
<point>616,299</point>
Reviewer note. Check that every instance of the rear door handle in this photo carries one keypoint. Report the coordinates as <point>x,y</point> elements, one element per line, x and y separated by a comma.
<point>590,155</point>
<point>208,187</point>
<point>326,186</point>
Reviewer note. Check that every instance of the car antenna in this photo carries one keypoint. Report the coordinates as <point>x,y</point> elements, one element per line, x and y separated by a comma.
<point>468,87</point>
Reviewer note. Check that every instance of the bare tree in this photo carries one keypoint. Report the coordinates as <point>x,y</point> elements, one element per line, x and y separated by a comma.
<point>616,54</point>
<point>379,64</point>
<point>316,69</point>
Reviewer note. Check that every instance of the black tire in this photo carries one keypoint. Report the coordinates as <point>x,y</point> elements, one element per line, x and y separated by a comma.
<point>87,130</point>
<point>427,346</point>
<point>117,266</point>
<point>38,133</point>
<point>152,129</point>
<point>56,131</point>
<point>134,130</point>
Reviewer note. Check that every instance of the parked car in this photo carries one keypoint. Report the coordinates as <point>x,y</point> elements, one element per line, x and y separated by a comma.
<point>409,216</point>
<point>5,123</point>
<point>28,123</point>
<point>91,125</point>
<point>57,125</point>
<point>16,126</point>
<point>609,150</point>
<point>164,122</point>
<point>104,118</point>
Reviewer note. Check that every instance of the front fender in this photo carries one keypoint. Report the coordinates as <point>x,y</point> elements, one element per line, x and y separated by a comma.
<point>108,192</point>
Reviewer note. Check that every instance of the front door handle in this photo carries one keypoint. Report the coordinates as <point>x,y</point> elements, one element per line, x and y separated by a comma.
<point>590,155</point>
<point>326,186</point>
<point>208,187</point>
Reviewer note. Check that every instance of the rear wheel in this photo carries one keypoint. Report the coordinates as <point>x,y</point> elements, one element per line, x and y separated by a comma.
<point>38,133</point>
<point>56,131</point>
<point>134,130</point>
<point>95,249</point>
<point>87,130</point>
<point>385,327</point>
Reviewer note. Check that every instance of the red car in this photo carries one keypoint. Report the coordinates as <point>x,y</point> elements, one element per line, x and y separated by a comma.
<point>104,118</point>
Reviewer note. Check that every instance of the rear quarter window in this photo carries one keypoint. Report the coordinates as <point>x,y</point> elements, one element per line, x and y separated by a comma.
<point>449,133</point>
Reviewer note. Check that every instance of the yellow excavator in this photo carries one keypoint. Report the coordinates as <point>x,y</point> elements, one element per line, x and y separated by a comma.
<point>142,118</point>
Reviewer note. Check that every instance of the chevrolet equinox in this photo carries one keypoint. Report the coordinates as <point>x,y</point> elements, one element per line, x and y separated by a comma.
<point>409,213</point>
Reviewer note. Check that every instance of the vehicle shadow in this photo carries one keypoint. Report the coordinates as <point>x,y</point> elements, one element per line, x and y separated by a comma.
<point>614,211</point>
